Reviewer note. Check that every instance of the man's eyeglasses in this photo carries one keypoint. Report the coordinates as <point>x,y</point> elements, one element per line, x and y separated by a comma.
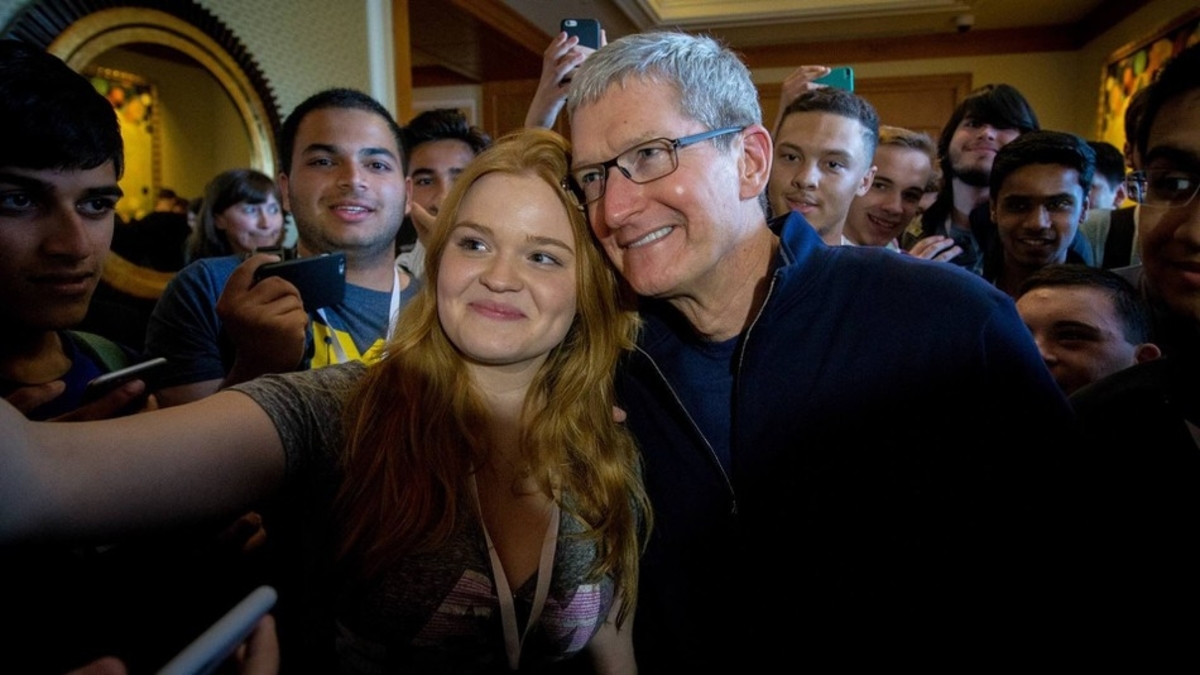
<point>641,164</point>
<point>1168,188</point>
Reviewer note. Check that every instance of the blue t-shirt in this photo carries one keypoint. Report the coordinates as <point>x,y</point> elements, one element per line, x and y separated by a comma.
<point>84,367</point>
<point>185,329</point>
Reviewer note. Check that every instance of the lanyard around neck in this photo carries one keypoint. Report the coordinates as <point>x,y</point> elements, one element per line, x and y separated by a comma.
<point>513,637</point>
<point>393,309</point>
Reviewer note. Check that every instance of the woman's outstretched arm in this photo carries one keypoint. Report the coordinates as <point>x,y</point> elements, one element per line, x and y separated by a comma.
<point>83,480</point>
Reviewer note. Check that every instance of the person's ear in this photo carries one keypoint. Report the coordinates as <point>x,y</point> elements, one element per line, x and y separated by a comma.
<point>867,179</point>
<point>1119,195</point>
<point>1147,351</point>
<point>754,165</point>
<point>284,192</point>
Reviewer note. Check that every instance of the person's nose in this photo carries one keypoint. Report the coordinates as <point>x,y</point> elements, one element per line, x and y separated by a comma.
<point>893,203</point>
<point>69,237</point>
<point>443,188</point>
<point>501,274</point>
<point>1044,348</point>
<point>1189,222</point>
<point>1038,218</point>
<point>807,175</point>
<point>622,199</point>
<point>352,176</point>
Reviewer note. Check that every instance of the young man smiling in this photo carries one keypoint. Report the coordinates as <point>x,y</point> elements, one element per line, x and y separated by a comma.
<point>904,173</point>
<point>823,150</point>
<point>343,180</point>
<point>1039,186</point>
<point>61,158</point>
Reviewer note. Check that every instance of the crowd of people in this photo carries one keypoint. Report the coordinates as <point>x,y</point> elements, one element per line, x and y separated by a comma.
<point>680,393</point>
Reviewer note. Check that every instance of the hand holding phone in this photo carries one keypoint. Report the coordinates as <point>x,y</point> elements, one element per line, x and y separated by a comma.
<point>841,77</point>
<point>206,653</point>
<point>587,30</point>
<point>321,279</point>
<point>145,371</point>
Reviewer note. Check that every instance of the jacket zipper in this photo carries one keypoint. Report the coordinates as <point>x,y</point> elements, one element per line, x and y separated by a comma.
<point>737,372</point>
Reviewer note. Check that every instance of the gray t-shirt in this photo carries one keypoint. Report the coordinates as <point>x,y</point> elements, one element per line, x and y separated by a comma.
<point>431,613</point>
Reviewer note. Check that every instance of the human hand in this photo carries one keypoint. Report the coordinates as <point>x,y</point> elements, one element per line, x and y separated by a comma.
<point>113,404</point>
<point>266,321</point>
<point>797,82</point>
<point>936,247</point>
<point>423,220</point>
<point>257,655</point>
<point>108,665</point>
<point>560,58</point>
<point>245,534</point>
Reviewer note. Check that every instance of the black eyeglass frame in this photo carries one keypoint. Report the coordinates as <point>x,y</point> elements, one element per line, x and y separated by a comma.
<point>1136,185</point>
<point>571,185</point>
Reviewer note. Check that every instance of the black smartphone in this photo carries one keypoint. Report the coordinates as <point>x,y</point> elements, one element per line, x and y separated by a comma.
<point>145,371</point>
<point>207,652</point>
<point>587,30</point>
<point>321,279</point>
<point>841,77</point>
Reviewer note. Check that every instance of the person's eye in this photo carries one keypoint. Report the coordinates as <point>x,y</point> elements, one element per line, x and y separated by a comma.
<point>972,123</point>
<point>379,166</point>
<point>470,243</point>
<point>835,165</point>
<point>1016,207</point>
<point>320,161</point>
<point>913,197</point>
<point>273,209</point>
<point>543,258</point>
<point>586,177</point>
<point>16,202</point>
<point>97,207</point>
<point>249,209</point>
<point>423,182</point>
<point>880,187</point>
<point>790,157</point>
<point>1172,184</point>
<point>1060,205</point>
<point>649,153</point>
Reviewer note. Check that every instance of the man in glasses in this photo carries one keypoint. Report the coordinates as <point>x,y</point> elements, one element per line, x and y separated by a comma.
<point>1142,425</point>
<point>797,513</point>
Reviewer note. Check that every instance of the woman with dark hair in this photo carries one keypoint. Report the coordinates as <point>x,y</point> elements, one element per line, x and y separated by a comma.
<point>486,511</point>
<point>241,212</point>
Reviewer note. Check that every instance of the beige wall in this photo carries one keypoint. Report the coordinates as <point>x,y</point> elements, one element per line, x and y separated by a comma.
<point>1063,87</point>
<point>306,45</point>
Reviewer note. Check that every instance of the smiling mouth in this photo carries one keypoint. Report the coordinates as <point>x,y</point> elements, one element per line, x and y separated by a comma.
<point>649,238</point>
<point>886,225</point>
<point>356,209</point>
<point>497,311</point>
<point>69,283</point>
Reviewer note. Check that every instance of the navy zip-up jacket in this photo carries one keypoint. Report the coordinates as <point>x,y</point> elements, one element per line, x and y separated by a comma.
<point>894,437</point>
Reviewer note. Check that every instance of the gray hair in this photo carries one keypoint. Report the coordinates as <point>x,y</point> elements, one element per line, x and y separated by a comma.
<point>712,83</point>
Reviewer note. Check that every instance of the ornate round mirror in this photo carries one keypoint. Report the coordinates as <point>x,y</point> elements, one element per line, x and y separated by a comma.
<point>169,55</point>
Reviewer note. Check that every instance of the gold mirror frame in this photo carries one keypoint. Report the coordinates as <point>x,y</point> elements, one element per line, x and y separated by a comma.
<point>80,38</point>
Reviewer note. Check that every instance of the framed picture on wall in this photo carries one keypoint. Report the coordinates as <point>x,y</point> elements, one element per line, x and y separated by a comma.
<point>1134,66</point>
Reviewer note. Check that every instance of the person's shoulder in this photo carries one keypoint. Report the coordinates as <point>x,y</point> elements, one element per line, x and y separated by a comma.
<point>107,354</point>
<point>1142,382</point>
<point>206,272</point>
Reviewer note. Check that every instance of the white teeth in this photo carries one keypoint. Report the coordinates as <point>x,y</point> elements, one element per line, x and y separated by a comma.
<point>651,238</point>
